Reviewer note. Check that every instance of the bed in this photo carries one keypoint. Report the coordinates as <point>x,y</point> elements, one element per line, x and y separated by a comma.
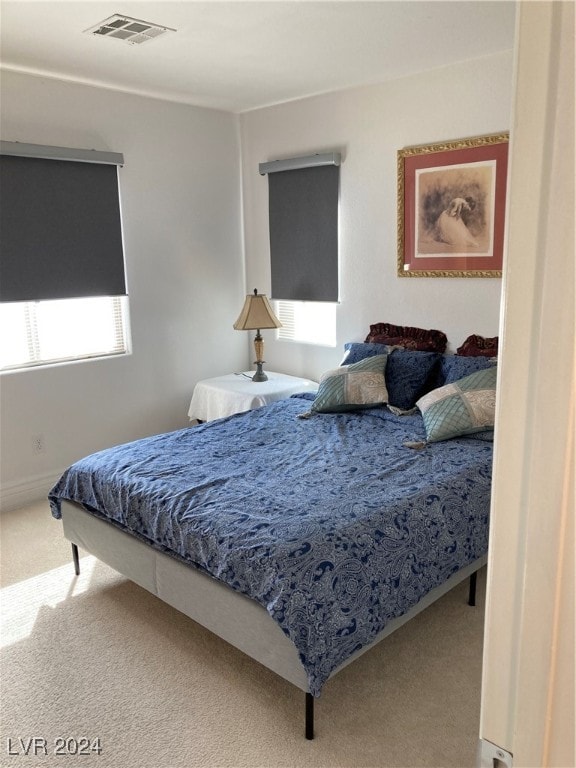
<point>303,537</point>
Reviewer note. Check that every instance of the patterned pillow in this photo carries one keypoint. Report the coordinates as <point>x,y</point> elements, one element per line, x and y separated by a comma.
<point>476,345</point>
<point>354,351</point>
<point>407,336</point>
<point>453,367</point>
<point>408,376</point>
<point>360,385</point>
<point>460,408</point>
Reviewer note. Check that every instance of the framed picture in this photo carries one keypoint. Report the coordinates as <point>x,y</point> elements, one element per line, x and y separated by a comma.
<point>451,208</point>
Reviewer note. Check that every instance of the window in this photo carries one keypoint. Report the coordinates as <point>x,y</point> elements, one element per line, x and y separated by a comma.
<point>309,322</point>
<point>62,273</point>
<point>45,332</point>
<point>61,229</point>
<point>303,221</point>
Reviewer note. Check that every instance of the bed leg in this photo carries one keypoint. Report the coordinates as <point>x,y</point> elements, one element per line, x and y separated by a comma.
<point>472,589</point>
<point>309,716</point>
<point>76,559</point>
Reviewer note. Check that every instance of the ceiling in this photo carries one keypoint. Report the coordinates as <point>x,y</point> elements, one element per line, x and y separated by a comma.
<point>241,55</point>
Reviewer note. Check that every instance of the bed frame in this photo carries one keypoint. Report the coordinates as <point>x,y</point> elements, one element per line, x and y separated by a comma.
<point>238,619</point>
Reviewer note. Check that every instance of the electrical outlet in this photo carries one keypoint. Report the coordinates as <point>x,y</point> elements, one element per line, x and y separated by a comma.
<point>38,443</point>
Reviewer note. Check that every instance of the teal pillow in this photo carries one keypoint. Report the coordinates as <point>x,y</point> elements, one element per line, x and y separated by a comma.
<point>360,385</point>
<point>460,408</point>
<point>408,371</point>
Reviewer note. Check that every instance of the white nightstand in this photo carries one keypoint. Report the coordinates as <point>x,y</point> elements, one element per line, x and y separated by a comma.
<point>236,392</point>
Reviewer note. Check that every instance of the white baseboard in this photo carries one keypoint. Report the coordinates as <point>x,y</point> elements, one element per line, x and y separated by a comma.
<point>23,492</point>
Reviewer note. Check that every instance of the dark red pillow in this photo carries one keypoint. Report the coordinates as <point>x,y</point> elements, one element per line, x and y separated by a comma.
<point>479,346</point>
<point>406,336</point>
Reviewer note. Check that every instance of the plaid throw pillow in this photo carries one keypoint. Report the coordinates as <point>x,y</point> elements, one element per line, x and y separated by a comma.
<point>461,408</point>
<point>350,387</point>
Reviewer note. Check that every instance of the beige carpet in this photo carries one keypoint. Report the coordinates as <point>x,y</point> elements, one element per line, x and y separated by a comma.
<point>97,657</point>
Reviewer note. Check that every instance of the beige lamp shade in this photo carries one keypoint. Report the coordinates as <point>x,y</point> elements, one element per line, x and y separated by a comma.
<point>256,313</point>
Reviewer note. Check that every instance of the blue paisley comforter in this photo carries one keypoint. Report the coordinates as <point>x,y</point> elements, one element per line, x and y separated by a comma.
<point>331,523</point>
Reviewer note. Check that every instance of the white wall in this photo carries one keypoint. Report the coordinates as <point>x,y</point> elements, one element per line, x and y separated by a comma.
<point>180,190</point>
<point>182,206</point>
<point>368,125</point>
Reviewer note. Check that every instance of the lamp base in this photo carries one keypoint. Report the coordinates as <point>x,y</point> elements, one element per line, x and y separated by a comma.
<point>259,375</point>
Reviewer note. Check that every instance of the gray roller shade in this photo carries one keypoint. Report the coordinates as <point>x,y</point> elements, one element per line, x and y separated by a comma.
<point>303,211</point>
<point>60,230</point>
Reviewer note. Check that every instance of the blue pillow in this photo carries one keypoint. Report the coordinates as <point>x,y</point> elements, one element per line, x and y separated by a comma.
<point>456,367</point>
<point>409,373</point>
<point>356,351</point>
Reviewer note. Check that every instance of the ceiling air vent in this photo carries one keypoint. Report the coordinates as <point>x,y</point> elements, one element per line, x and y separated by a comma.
<point>128,30</point>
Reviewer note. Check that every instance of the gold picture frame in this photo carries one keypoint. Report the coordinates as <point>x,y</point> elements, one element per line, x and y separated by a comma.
<point>451,208</point>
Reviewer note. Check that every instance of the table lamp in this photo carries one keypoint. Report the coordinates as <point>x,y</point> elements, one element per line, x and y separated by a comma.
<point>256,314</point>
